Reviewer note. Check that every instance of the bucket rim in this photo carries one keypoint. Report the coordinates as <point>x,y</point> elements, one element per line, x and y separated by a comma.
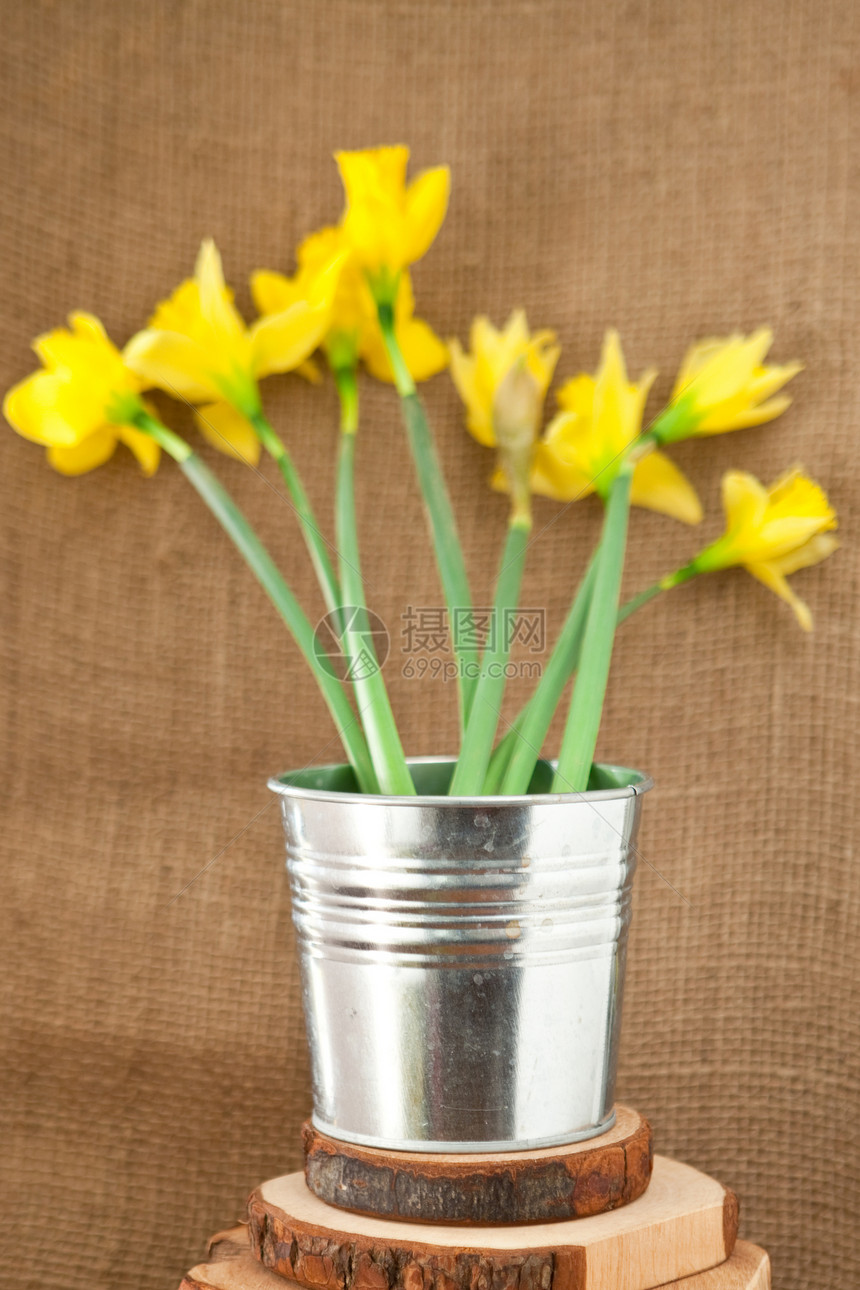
<point>639,783</point>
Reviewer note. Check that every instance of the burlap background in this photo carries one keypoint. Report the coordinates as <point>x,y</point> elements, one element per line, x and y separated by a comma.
<point>672,168</point>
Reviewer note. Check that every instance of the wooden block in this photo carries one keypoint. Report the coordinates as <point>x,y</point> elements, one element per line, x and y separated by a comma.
<point>747,1269</point>
<point>232,1266</point>
<point>685,1223</point>
<point>542,1186</point>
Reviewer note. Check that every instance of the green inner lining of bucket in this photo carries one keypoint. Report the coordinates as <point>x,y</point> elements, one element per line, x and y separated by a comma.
<point>433,777</point>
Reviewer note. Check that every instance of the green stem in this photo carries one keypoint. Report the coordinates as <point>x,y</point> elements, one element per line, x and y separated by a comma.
<point>474,759</point>
<point>637,601</point>
<point>440,514</point>
<point>586,707</point>
<point>311,532</point>
<point>269,577</point>
<point>567,648</point>
<point>383,740</point>
<point>684,574</point>
<point>676,421</point>
<point>501,755</point>
<point>347,389</point>
<point>537,718</point>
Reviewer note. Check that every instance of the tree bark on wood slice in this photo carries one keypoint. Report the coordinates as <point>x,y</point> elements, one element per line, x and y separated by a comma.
<point>232,1266</point>
<point>685,1223</point>
<point>573,1181</point>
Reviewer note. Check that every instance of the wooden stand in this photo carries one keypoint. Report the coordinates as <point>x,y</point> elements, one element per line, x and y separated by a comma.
<point>685,1223</point>
<point>230,1265</point>
<point>374,1220</point>
<point>556,1183</point>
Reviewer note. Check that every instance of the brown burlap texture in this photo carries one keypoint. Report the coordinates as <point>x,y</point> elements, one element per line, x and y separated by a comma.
<point>670,168</point>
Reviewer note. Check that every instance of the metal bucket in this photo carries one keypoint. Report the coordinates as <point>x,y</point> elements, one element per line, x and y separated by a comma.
<point>462,958</point>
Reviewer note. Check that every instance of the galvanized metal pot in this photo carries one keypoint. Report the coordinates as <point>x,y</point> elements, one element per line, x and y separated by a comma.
<point>462,958</point>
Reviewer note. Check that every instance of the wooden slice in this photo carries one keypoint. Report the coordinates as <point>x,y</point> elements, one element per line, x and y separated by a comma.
<point>747,1269</point>
<point>542,1186</point>
<point>685,1223</point>
<point>230,1265</point>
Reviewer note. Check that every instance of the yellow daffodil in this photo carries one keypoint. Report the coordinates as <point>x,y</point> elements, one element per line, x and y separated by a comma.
<point>772,532</point>
<point>724,385</point>
<point>503,383</point>
<point>479,375</point>
<point>82,402</point>
<point>353,329</point>
<point>387,223</point>
<point>198,348</point>
<point>584,445</point>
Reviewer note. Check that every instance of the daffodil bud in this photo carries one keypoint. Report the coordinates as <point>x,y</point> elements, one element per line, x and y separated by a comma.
<point>517,407</point>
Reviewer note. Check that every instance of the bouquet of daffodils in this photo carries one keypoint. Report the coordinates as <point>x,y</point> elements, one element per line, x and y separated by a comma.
<point>351,299</point>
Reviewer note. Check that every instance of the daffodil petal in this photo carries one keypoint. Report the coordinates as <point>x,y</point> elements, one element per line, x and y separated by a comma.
<point>715,423</point>
<point>61,347</point>
<point>424,352</point>
<point>174,363</point>
<point>541,358</point>
<point>404,305</point>
<point>87,325</point>
<point>576,395</point>
<point>818,548</point>
<point>658,485</point>
<point>273,292</point>
<point>462,371</point>
<point>515,332</point>
<point>744,499</point>
<point>180,312</point>
<point>53,347</point>
<point>731,369</point>
<point>310,371</point>
<point>229,432</point>
<point>779,537</point>
<point>364,171</point>
<point>280,342</point>
<point>767,380</point>
<point>144,447</point>
<point>695,358</point>
<point>614,413</point>
<point>31,408</point>
<point>776,581</point>
<point>794,493</point>
<point>91,452</point>
<point>553,477</point>
<point>464,376</point>
<point>216,300</point>
<point>426,204</point>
